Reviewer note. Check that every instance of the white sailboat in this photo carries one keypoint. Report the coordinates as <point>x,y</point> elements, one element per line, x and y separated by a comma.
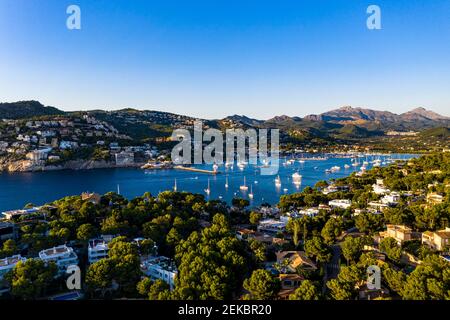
<point>244,186</point>
<point>250,195</point>
<point>296,178</point>
<point>208,190</point>
<point>226,182</point>
<point>278,182</point>
<point>377,163</point>
<point>175,186</point>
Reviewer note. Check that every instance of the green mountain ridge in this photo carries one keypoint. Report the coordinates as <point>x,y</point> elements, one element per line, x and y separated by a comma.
<point>346,123</point>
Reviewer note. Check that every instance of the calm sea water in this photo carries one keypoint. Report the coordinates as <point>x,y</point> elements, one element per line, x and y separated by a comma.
<point>18,189</point>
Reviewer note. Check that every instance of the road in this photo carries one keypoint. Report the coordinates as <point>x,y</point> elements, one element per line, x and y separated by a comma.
<point>332,267</point>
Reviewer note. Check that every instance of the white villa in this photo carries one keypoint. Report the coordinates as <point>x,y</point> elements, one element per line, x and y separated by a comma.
<point>379,187</point>
<point>340,203</point>
<point>9,263</point>
<point>98,249</point>
<point>63,256</point>
<point>160,268</point>
<point>272,225</point>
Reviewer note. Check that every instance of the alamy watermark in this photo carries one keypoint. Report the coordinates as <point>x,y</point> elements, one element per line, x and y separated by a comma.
<point>73,21</point>
<point>373,22</point>
<point>73,282</point>
<point>373,278</point>
<point>213,153</point>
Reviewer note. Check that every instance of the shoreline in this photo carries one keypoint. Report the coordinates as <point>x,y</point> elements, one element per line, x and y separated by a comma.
<point>23,166</point>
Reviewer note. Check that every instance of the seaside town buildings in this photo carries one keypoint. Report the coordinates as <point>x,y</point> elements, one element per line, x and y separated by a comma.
<point>50,142</point>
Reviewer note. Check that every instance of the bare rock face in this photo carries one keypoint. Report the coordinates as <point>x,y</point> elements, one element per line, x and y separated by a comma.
<point>20,166</point>
<point>90,164</point>
<point>28,166</point>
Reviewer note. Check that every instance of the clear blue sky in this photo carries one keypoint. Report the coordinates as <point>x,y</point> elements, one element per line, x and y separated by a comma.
<point>215,58</point>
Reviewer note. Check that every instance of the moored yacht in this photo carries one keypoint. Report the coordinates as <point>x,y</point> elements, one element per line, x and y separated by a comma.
<point>278,182</point>
<point>244,187</point>
<point>208,190</point>
<point>250,195</point>
<point>296,178</point>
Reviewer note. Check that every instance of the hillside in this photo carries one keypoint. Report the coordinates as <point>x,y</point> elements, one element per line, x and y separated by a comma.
<point>26,109</point>
<point>441,132</point>
<point>345,123</point>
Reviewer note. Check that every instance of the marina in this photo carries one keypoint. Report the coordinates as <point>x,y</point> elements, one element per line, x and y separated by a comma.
<point>38,188</point>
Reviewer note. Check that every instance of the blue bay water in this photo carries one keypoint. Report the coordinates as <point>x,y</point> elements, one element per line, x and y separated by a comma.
<point>18,189</point>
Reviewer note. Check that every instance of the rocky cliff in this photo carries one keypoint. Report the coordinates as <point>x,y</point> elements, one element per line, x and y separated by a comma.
<point>29,166</point>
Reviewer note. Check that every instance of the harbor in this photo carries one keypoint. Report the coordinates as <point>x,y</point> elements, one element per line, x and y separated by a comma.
<point>225,184</point>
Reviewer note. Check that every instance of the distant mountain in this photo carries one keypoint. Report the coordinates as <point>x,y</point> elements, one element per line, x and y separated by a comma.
<point>350,114</point>
<point>284,118</point>
<point>416,119</point>
<point>242,120</point>
<point>422,113</point>
<point>26,109</point>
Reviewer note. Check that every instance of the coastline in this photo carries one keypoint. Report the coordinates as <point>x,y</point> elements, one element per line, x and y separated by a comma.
<point>29,166</point>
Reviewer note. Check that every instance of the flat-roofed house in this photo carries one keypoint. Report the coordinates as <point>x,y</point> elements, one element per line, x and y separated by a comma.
<point>340,203</point>
<point>7,264</point>
<point>160,268</point>
<point>63,256</point>
<point>98,249</point>
<point>18,213</point>
<point>272,226</point>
